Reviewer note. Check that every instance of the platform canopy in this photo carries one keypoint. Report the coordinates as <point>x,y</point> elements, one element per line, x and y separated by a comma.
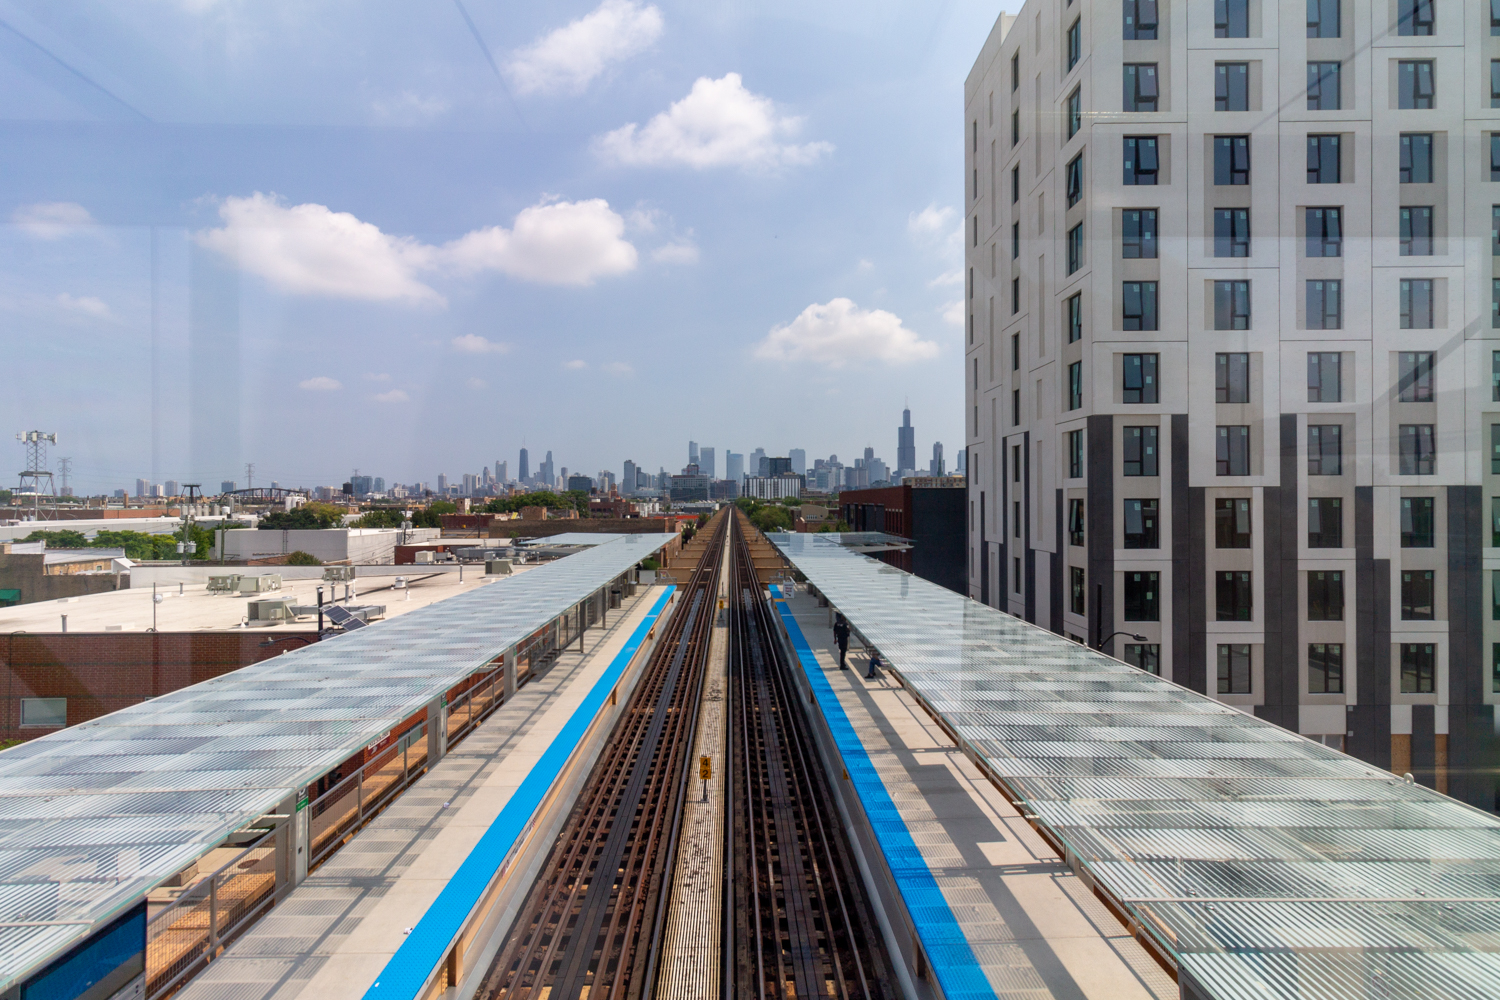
<point>1265,863</point>
<point>95,816</point>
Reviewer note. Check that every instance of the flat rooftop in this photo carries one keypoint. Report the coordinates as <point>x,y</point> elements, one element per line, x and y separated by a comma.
<point>1263,863</point>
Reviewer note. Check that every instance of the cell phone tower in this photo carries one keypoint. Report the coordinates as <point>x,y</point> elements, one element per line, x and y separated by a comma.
<point>36,467</point>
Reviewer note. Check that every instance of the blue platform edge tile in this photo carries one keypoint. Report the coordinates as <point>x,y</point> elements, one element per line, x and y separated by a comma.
<point>943,941</point>
<point>427,945</point>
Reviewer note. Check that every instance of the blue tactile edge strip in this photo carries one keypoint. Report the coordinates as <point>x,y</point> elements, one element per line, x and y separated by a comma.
<point>409,970</point>
<point>948,953</point>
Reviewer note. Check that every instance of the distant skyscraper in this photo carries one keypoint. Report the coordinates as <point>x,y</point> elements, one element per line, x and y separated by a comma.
<point>962,467</point>
<point>935,468</point>
<point>734,465</point>
<point>757,459</point>
<point>227,486</point>
<point>379,484</point>
<point>442,482</point>
<point>502,471</point>
<point>143,488</point>
<point>693,453</point>
<point>906,445</point>
<point>628,481</point>
<point>173,488</point>
<point>799,460</point>
<point>525,465</point>
<point>706,462</point>
<point>547,476</point>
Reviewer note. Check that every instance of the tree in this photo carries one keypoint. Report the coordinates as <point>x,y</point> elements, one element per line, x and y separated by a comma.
<point>442,507</point>
<point>300,558</point>
<point>65,538</point>
<point>306,516</point>
<point>383,517</point>
<point>769,518</point>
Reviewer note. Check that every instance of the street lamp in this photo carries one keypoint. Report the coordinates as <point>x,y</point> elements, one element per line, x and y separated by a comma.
<point>1099,621</point>
<point>1137,638</point>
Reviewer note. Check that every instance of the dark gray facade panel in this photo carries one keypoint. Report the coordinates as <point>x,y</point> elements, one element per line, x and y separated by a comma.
<point>1003,519</point>
<point>1057,570</point>
<point>1424,745</point>
<point>1030,558</point>
<point>984,556</point>
<point>1100,522</point>
<point>1196,582</point>
<point>1466,660</point>
<point>1282,588</point>
<point>1371,718</point>
<point>1182,608</point>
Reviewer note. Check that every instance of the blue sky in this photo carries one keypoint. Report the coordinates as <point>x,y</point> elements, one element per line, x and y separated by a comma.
<point>646,222</point>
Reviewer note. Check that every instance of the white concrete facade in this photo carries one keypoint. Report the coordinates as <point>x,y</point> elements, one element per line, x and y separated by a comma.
<point>1049,508</point>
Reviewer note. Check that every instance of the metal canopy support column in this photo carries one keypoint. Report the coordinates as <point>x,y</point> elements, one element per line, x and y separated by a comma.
<point>510,674</point>
<point>437,729</point>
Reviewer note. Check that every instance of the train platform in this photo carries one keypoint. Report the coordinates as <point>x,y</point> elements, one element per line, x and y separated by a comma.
<point>975,901</point>
<point>463,843</point>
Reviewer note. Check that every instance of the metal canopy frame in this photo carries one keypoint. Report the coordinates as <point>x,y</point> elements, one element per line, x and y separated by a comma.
<point>95,816</point>
<point>1263,863</point>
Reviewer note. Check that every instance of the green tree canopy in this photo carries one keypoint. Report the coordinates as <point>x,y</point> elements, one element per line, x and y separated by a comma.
<point>64,538</point>
<point>309,515</point>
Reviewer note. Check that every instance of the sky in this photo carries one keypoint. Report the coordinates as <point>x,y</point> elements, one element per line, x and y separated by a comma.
<point>411,238</point>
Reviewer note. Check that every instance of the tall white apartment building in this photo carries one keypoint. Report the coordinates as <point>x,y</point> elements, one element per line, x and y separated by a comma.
<point>1233,355</point>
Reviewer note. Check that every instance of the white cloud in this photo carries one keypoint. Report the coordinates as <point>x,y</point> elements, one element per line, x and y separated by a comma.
<point>953,277</point>
<point>931,221</point>
<point>569,58</point>
<point>619,368</point>
<point>394,396</point>
<point>320,383</point>
<point>410,106</point>
<point>840,332</point>
<point>50,220</point>
<point>311,250</point>
<point>677,252</point>
<point>643,219</point>
<point>87,305</point>
<point>576,365</point>
<point>473,343</point>
<point>377,376</point>
<point>719,123</point>
<point>476,383</point>
<point>562,243</point>
<point>953,313</point>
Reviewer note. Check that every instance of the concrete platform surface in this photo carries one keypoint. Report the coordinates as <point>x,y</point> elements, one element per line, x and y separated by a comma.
<point>1033,927</point>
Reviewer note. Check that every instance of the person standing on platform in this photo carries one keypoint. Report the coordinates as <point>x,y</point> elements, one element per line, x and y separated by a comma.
<point>874,666</point>
<point>841,636</point>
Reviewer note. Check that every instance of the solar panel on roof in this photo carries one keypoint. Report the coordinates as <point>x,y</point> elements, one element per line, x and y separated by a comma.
<point>343,619</point>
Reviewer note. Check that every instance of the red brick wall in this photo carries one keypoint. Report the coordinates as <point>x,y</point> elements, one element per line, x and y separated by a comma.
<point>102,672</point>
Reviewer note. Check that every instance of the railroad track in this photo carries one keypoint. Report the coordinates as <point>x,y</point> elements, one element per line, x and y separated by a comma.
<point>591,924</point>
<point>798,921</point>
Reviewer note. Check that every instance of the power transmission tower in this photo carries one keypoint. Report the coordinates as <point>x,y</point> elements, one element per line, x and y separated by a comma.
<point>65,466</point>
<point>36,467</point>
<point>249,475</point>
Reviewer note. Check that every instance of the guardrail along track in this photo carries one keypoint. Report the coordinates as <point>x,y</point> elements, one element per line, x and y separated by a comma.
<point>590,925</point>
<point>802,925</point>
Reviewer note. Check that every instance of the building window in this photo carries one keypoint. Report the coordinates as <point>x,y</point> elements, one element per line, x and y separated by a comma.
<point>1324,450</point>
<point>1325,232</point>
<point>1233,596</point>
<point>37,713</point>
<point>1140,451</point>
<point>1140,87</point>
<point>1015,184</point>
<point>1325,596</point>
<point>1495,522</point>
<point>1414,17</point>
<point>1075,386</point>
<point>1075,111</point>
<point>1138,229</point>
<point>1322,18</point>
<point>1418,668</point>
<point>1495,156</point>
<point>1416,377</point>
<point>1418,450</point>
<point>1495,449</point>
<point>1075,180</point>
<point>1416,158</point>
<point>1416,304</point>
<point>1146,656</point>
<point>1015,240</point>
<point>1078,590</point>
<point>1325,523</point>
<point>1016,576</point>
<point>1073,309</point>
<point>1414,84</point>
<point>1324,377</point>
<point>1075,42</point>
<point>1233,450</point>
<point>1495,595</point>
<point>1232,86</point>
<point>1139,301</point>
<point>1140,159</point>
<point>1323,92</point>
<point>1140,377</point>
<point>1231,159</point>
<point>1015,407</point>
<point>1075,248</point>
<point>1495,306</point>
<point>1325,305</point>
<point>1325,668</point>
<point>1232,523</point>
<point>1234,668</point>
<point>1015,352</point>
<point>1495,30</point>
<point>1418,587</point>
<point>1323,160</point>
<point>1075,522</point>
<point>1495,376</point>
<point>1142,603</point>
<point>1231,232</point>
<point>1142,529</point>
<point>1417,523</point>
<point>1015,295</point>
<point>1015,470</point>
<point>1231,305</point>
<point>1075,454</point>
<point>1015,72</point>
<point>1231,378</point>
<point>1495,230</point>
<point>1140,19</point>
<point>1495,83</point>
<point>1231,18</point>
<point>1015,127</point>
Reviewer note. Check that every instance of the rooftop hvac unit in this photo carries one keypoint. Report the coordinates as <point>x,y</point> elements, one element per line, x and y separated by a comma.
<point>274,609</point>
<point>260,584</point>
<point>497,567</point>
<point>338,574</point>
<point>226,584</point>
<point>424,556</point>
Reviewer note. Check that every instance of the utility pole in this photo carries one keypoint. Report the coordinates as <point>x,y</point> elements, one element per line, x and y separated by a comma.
<point>187,546</point>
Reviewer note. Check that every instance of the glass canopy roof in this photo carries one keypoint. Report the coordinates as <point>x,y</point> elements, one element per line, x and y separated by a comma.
<point>93,817</point>
<point>1266,864</point>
